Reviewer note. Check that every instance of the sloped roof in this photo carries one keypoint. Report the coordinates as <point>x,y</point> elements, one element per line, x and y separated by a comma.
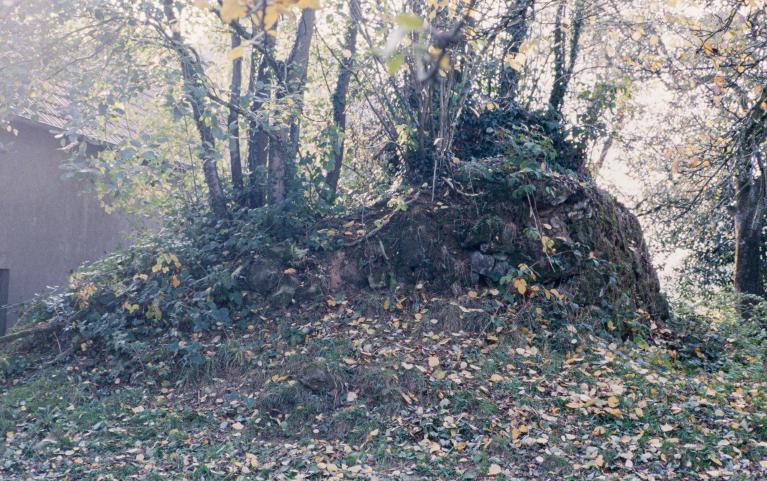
<point>53,109</point>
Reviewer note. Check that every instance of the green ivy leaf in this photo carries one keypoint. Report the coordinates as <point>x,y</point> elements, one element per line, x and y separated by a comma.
<point>394,63</point>
<point>409,21</point>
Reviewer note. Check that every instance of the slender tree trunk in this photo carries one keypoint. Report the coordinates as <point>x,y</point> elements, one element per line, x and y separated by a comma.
<point>234,124</point>
<point>603,154</point>
<point>339,100</point>
<point>750,205</point>
<point>564,60</point>
<point>509,81</point>
<point>279,146</point>
<point>192,75</point>
<point>259,89</point>
<point>283,145</point>
<point>749,222</point>
<point>298,68</point>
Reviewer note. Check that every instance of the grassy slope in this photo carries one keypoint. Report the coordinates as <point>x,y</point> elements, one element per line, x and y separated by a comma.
<point>388,394</point>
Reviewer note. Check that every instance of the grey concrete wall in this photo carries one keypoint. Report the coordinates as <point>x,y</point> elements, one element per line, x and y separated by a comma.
<point>48,225</point>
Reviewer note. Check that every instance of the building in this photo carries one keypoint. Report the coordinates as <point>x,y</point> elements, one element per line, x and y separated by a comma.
<point>49,225</point>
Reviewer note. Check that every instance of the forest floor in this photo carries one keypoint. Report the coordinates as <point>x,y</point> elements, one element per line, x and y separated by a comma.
<point>349,392</point>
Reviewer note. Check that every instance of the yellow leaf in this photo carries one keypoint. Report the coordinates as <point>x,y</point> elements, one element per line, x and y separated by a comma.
<point>613,402</point>
<point>444,64</point>
<point>236,53</point>
<point>517,62</point>
<point>251,459</point>
<point>202,4</point>
<point>351,396</point>
<point>614,412</point>
<point>496,378</point>
<point>521,285</point>
<point>268,18</point>
<point>131,308</point>
<point>719,81</point>
<point>439,374</point>
<point>315,4</point>
<point>238,426</point>
<point>174,281</point>
<point>666,428</point>
<point>493,470</point>
<point>232,10</point>
<point>433,361</point>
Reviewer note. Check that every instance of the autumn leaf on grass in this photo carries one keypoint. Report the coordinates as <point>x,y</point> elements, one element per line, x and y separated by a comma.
<point>520,284</point>
<point>496,378</point>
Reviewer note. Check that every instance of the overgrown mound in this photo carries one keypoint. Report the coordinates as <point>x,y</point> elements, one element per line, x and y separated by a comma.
<point>541,235</point>
<point>552,248</point>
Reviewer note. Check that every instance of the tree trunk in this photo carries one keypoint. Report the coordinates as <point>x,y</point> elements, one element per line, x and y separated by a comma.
<point>339,100</point>
<point>234,124</point>
<point>509,81</point>
<point>297,69</point>
<point>278,171</point>
<point>749,222</point>
<point>564,61</point>
<point>192,75</point>
<point>750,205</point>
<point>258,138</point>
<point>209,155</point>
<point>283,145</point>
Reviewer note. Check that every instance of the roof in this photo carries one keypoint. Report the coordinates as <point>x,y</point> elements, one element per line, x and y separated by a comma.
<point>56,111</point>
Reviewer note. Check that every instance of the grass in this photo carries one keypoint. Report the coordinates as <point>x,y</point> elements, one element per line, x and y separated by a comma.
<point>365,398</point>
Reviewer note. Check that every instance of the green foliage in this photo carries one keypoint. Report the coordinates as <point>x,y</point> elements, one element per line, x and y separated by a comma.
<point>188,277</point>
